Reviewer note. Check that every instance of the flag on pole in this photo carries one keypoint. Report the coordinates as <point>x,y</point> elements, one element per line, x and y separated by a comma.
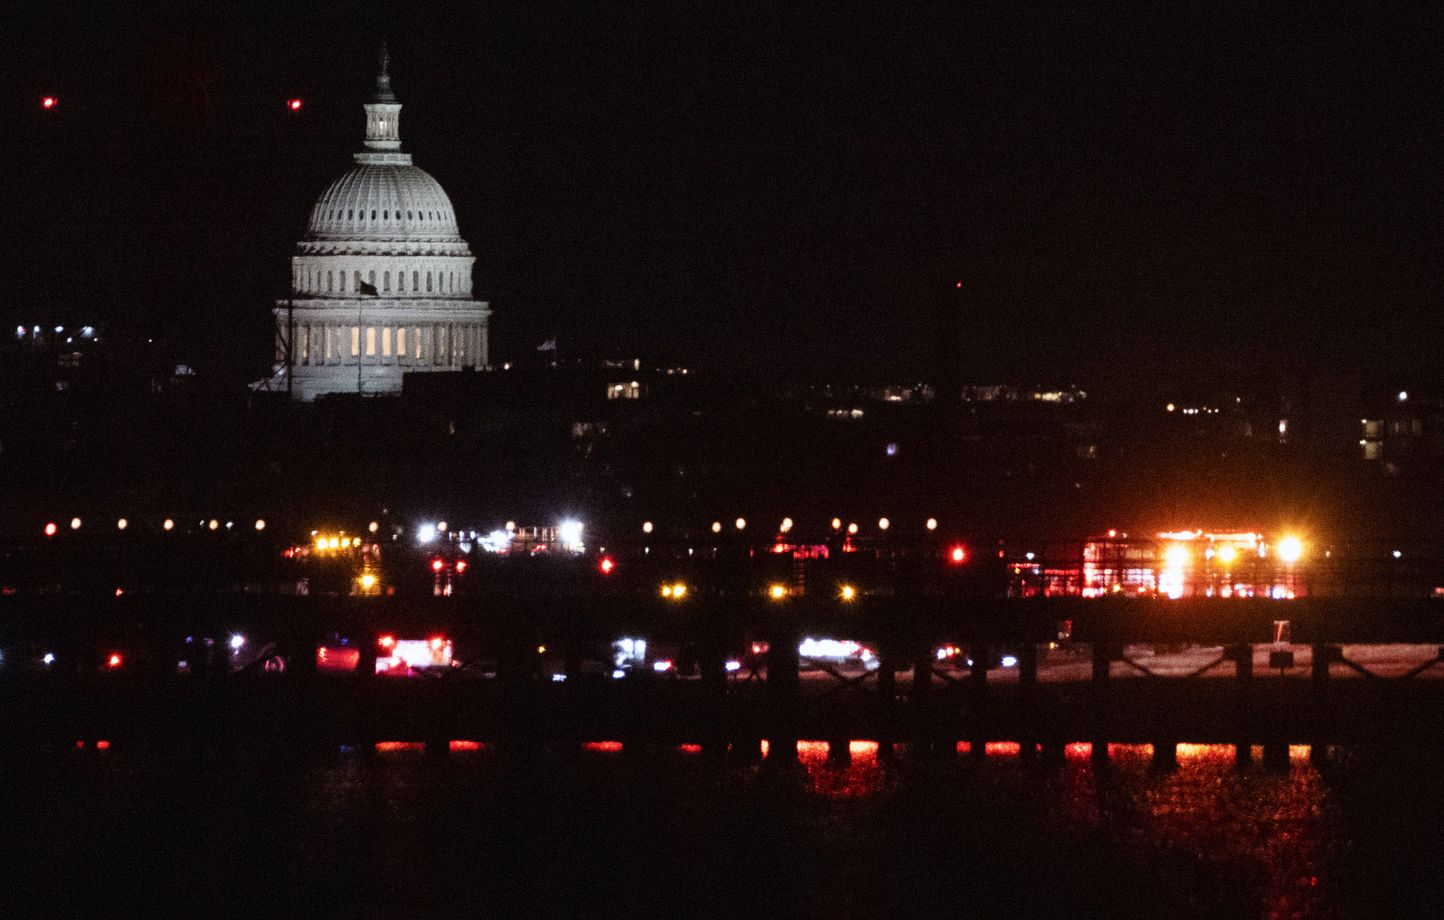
<point>368,289</point>
<point>548,345</point>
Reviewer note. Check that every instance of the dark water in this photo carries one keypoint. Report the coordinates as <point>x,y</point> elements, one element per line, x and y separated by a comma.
<point>615,833</point>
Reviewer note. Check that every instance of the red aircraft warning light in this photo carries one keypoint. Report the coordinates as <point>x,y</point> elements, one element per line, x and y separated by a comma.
<point>114,661</point>
<point>48,102</point>
<point>460,566</point>
<point>437,564</point>
<point>958,554</point>
<point>294,104</point>
<point>607,565</point>
<point>51,528</point>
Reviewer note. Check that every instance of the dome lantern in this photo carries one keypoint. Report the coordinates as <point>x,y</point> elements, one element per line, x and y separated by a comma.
<point>383,112</point>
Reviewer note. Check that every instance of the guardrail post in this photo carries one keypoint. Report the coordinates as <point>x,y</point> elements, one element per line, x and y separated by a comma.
<point>712,662</point>
<point>1028,699</point>
<point>887,706</point>
<point>1322,655</point>
<point>782,688</point>
<point>1241,653</point>
<point>1099,697</point>
<point>365,692</point>
<point>922,703</point>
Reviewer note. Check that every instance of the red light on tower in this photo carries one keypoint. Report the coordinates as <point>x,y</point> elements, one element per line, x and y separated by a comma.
<point>958,554</point>
<point>460,566</point>
<point>48,102</point>
<point>114,661</point>
<point>294,104</point>
<point>437,565</point>
<point>959,285</point>
<point>607,565</point>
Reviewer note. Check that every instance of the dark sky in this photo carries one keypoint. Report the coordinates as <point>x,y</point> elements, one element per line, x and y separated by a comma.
<point>1211,189</point>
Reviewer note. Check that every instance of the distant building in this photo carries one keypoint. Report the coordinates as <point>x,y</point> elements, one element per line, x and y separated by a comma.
<point>382,279</point>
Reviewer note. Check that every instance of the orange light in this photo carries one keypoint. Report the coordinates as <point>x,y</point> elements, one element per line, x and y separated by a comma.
<point>606,565</point>
<point>293,104</point>
<point>47,102</point>
<point>958,555</point>
<point>51,529</point>
<point>114,661</point>
<point>437,565</point>
<point>387,641</point>
<point>777,592</point>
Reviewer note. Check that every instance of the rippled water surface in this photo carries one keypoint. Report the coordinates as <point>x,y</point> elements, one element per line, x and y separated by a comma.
<point>608,831</point>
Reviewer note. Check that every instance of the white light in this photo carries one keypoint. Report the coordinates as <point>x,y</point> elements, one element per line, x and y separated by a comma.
<point>511,525</point>
<point>883,523</point>
<point>618,674</point>
<point>237,641</point>
<point>558,678</point>
<point>1403,395</point>
<point>829,648</point>
<point>1290,550</point>
<point>661,666</point>
<point>426,533</point>
<point>733,664</point>
<point>646,527</point>
<point>59,329</point>
<point>740,523</point>
<point>373,527</point>
<point>1009,661</point>
<point>932,523</point>
<point>75,523</point>
<point>260,524</point>
<point>168,524</point>
<point>786,525</point>
<point>570,533</point>
<point>441,526</point>
<point>498,541</point>
<point>1397,554</point>
<point>49,658</point>
<point>122,524</point>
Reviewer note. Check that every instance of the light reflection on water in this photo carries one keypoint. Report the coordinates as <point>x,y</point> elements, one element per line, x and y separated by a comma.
<point>348,825</point>
<point>1278,828</point>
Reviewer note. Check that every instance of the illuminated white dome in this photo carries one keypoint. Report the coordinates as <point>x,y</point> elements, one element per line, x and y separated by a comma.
<point>383,202</point>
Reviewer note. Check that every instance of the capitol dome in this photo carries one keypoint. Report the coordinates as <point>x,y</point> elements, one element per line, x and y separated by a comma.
<point>383,202</point>
<point>381,280</point>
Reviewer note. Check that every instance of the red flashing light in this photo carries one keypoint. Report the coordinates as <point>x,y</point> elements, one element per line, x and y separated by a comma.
<point>607,565</point>
<point>51,529</point>
<point>437,565</point>
<point>460,566</point>
<point>47,102</point>
<point>958,285</point>
<point>958,555</point>
<point>114,661</point>
<point>293,104</point>
<point>387,641</point>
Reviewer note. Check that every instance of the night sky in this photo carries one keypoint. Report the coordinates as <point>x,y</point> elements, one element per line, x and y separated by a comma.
<point>1215,192</point>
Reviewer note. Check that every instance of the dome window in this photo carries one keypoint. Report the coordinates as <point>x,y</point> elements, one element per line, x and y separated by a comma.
<point>350,215</point>
<point>373,213</point>
<point>385,215</point>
